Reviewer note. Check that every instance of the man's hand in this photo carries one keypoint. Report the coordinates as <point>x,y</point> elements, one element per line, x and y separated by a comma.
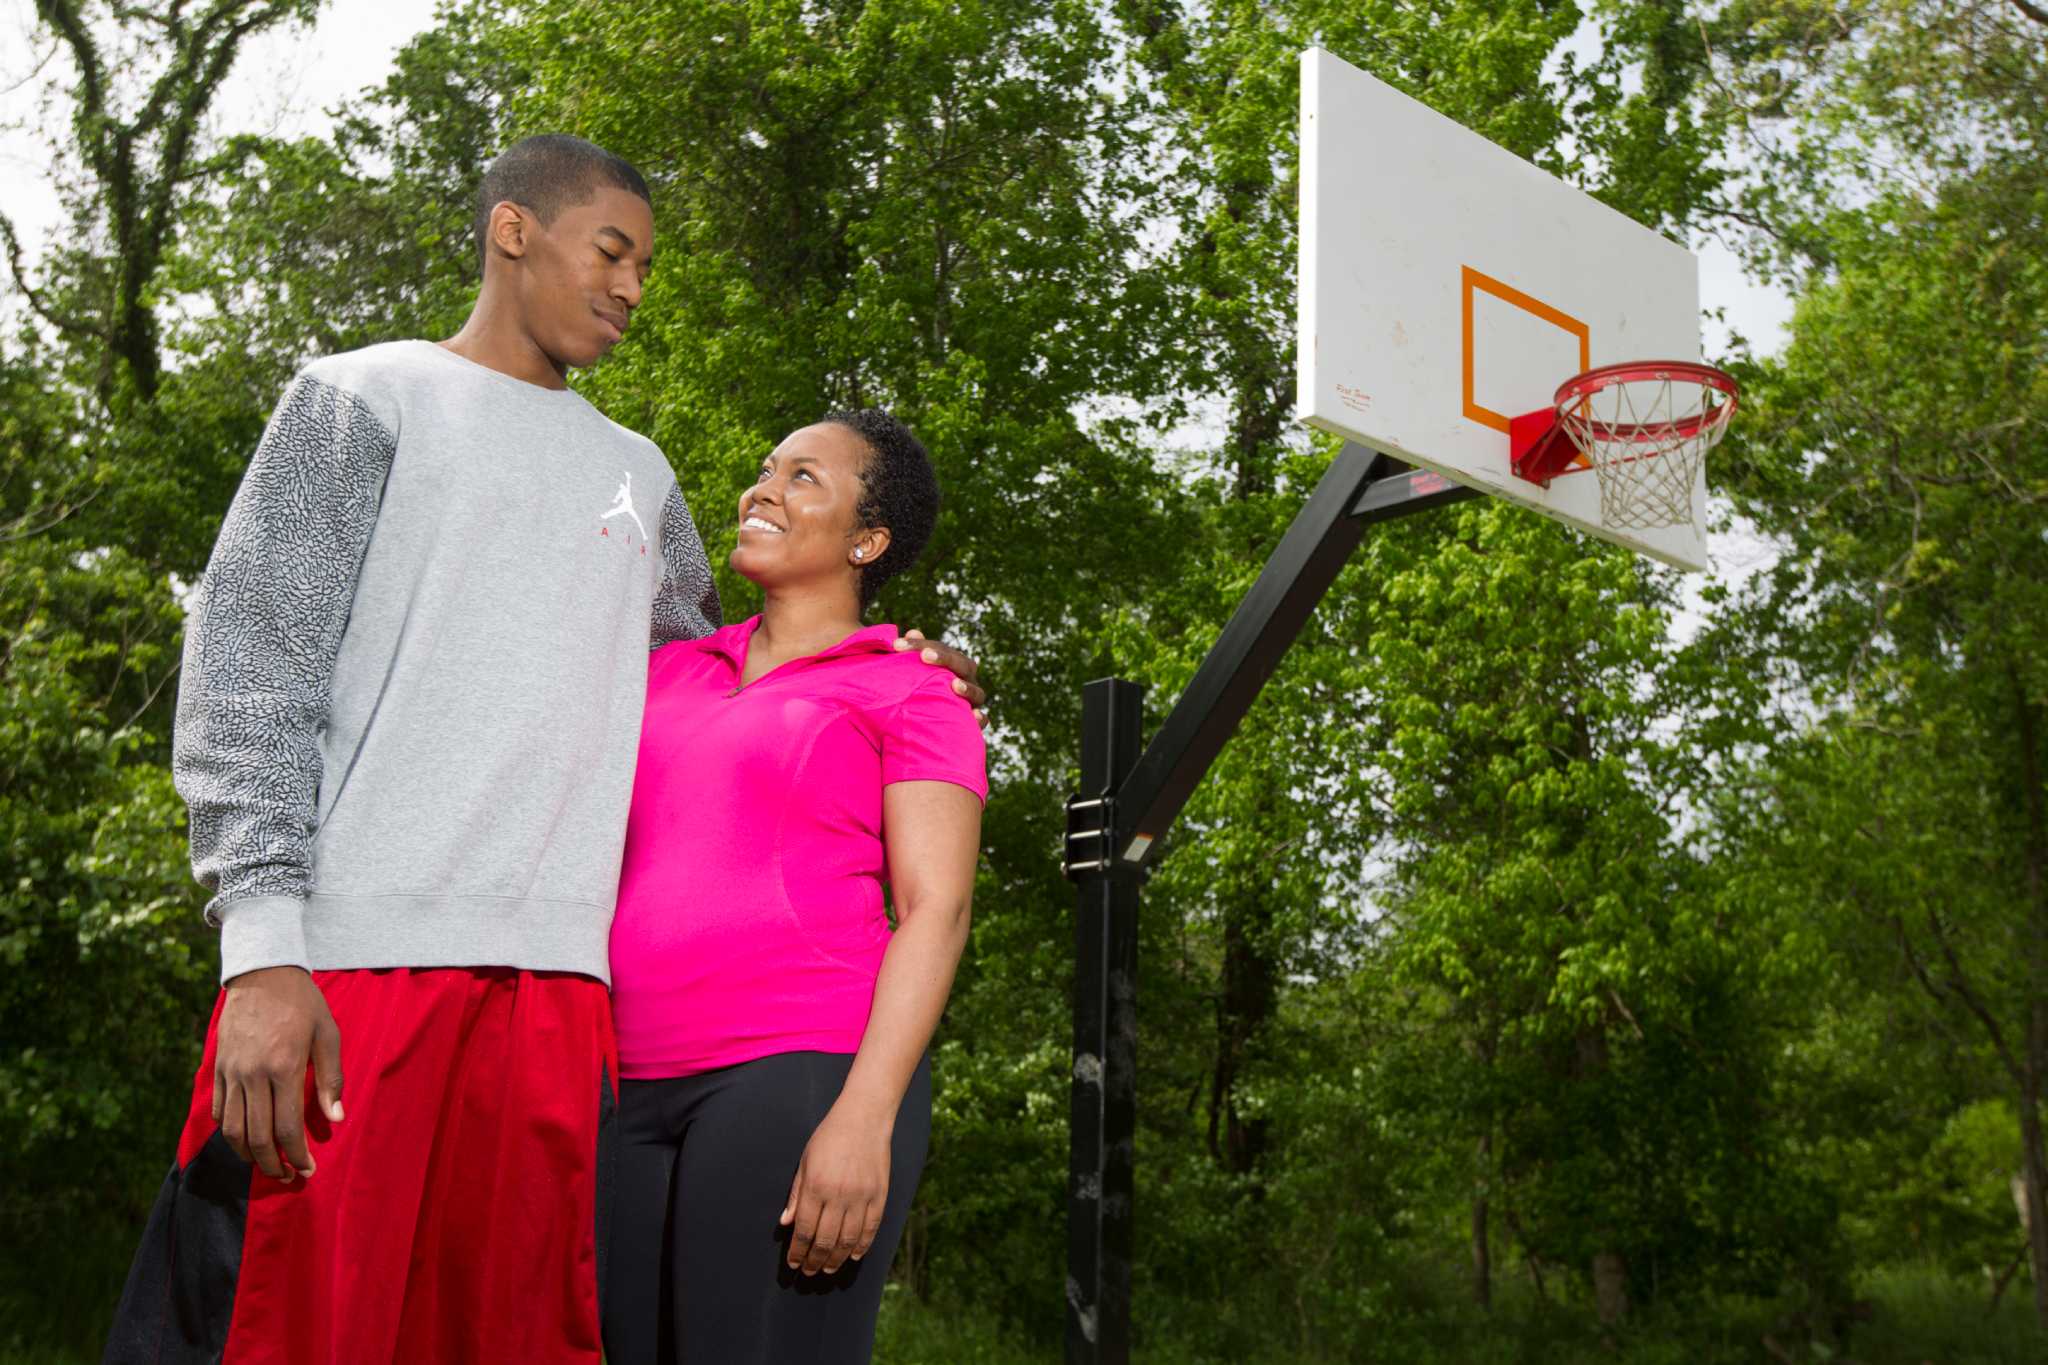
<point>274,1019</point>
<point>835,1202</point>
<point>964,668</point>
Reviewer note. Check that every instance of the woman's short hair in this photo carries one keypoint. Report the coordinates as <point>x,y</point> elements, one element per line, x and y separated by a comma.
<point>899,490</point>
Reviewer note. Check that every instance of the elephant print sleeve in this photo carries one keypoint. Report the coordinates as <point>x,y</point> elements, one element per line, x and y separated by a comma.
<point>686,605</point>
<point>260,648</point>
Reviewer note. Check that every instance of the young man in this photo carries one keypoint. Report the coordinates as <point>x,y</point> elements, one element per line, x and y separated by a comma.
<point>406,731</point>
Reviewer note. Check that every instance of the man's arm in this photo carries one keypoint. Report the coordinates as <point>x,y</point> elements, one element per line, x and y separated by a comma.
<point>686,603</point>
<point>260,648</point>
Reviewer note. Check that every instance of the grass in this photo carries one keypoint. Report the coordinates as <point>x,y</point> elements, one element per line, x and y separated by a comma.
<point>58,1286</point>
<point>1922,1316</point>
<point>911,1333</point>
<point>1925,1315</point>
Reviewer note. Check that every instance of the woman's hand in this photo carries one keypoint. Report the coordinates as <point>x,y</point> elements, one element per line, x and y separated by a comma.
<point>835,1202</point>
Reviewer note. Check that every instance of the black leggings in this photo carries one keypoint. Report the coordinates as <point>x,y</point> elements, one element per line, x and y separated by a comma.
<point>695,1270</point>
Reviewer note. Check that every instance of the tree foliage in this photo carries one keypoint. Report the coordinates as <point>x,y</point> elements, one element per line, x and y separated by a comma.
<point>1532,931</point>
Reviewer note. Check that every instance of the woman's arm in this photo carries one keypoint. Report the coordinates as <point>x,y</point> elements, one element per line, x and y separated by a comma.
<point>933,834</point>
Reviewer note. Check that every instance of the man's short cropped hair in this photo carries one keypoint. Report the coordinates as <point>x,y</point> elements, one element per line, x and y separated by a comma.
<point>899,490</point>
<point>547,174</point>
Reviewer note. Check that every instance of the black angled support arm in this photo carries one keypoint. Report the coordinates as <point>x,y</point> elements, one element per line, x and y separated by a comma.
<point>1359,488</point>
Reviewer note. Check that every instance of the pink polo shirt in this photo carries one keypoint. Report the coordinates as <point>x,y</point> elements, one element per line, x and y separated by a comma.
<point>750,918</point>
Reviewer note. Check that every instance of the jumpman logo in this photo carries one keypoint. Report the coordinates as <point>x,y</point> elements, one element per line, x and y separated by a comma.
<point>622,502</point>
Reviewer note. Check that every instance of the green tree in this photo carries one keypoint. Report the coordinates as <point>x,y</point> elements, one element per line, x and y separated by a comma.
<point>1500,923</point>
<point>1900,453</point>
<point>1541,742</point>
<point>141,83</point>
<point>108,966</point>
<point>1830,104</point>
<point>318,245</point>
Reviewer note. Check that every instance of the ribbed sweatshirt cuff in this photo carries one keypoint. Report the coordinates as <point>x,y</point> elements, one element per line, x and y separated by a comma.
<point>262,931</point>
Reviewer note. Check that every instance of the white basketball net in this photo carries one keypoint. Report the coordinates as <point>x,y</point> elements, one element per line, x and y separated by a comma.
<point>1646,437</point>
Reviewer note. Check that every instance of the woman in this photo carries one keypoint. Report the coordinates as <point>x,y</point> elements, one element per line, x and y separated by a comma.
<point>775,1100</point>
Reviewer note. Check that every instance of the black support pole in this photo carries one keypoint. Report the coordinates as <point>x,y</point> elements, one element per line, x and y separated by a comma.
<point>1126,803</point>
<point>1104,1112</point>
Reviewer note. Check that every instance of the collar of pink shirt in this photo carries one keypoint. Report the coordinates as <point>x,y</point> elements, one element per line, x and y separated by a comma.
<point>731,643</point>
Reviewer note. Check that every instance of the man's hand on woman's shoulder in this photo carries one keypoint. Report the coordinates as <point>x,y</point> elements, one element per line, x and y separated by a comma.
<point>965,670</point>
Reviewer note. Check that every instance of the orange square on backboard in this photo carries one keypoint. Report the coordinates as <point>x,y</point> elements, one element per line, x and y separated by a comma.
<point>1473,281</point>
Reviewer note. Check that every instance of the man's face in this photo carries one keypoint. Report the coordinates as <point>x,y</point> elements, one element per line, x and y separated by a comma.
<point>583,274</point>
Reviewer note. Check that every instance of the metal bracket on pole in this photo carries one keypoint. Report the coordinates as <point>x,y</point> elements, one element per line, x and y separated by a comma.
<point>1091,826</point>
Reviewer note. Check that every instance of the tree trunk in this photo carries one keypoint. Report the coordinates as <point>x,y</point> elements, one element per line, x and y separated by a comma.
<point>1610,1286</point>
<point>1610,1267</point>
<point>1250,991</point>
<point>1482,1252</point>
<point>914,1255</point>
<point>141,163</point>
<point>1529,1256</point>
<point>1250,978</point>
<point>2034,1058</point>
<point>2034,1186</point>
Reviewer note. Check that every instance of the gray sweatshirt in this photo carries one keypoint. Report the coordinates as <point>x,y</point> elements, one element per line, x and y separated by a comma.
<point>415,666</point>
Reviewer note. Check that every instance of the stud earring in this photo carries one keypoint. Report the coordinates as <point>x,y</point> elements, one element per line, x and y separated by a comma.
<point>857,554</point>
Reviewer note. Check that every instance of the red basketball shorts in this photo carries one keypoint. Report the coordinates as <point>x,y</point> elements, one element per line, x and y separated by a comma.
<point>455,1213</point>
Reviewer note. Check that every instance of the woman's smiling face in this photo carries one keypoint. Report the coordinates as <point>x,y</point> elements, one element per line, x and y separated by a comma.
<point>799,519</point>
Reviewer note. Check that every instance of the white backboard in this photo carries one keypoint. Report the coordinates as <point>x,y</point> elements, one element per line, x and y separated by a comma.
<point>1447,285</point>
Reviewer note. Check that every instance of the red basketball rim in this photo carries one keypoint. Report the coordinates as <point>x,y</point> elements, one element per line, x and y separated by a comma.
<point>1583,386</point>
